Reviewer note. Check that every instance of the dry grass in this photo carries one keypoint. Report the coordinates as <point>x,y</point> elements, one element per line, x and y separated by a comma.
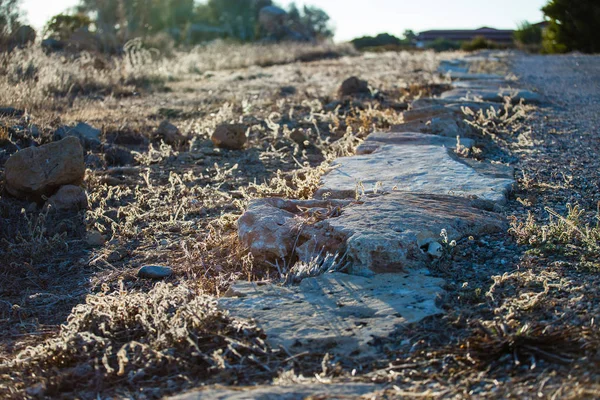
<point>126,338</point>
<point>174,205</point>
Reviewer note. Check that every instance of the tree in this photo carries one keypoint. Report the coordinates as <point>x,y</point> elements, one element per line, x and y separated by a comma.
<point>573,25</point>
<point>62,26</point>
<point>316,21</point>
<point>9,17</point>
<point>410,36</point>
<point>528,34</point>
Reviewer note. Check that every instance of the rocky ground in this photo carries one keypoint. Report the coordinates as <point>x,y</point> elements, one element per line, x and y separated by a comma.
<point>505,306</point>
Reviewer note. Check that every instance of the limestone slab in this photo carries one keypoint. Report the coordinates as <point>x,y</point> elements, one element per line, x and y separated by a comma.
<point>393,232</point>
<point>492,95</point>
<point>336,312</point>
<point>468,76</point>
<point>377,140</point>
<point>284,392</point>
<point>423,169</point>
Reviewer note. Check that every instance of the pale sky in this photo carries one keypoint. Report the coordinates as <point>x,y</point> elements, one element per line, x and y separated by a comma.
<point>353,18</point>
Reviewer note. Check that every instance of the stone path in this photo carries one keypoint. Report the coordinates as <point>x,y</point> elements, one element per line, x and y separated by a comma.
<point>384,210</point>
<point>394,198</point>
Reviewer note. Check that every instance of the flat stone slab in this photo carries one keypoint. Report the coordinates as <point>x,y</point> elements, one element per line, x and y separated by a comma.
<point>469,77</point>
<point>476,84</point>
<point>284,392</point>
<point>398,231</point>
<point>422,169</point>
<point>492,95</point>
<point>336,312</point>
<point>377,140</point>
<point>455,105</point>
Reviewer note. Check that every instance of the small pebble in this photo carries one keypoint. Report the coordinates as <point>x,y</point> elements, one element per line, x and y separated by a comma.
<point>95,239</point>
<point>154,272</point>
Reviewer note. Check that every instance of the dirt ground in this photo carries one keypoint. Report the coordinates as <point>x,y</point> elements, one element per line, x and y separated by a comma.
<point>520,306</point>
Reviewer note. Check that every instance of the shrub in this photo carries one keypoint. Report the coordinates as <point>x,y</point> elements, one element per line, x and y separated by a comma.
<point>573,26</point>
<point>528,34</point>
<point>383,39</point>
<point>478,43</point>
<point>62,26</point>
<point>443,45</point>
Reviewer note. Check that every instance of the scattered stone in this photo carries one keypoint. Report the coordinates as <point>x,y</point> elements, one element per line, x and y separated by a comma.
<point>93,161</point>
<point>287,90</point>
<point>421,169</point>
<point>38,171</point>
<point>435,249</point>
<point>126,138</point>
<point>354,86</point>
<point>299,136</point>
<point>118,156</point>
<point>336,312</point>
<point>88,135</point>
<point>95,239</point>
<point>170,134</point>
<point>229,136</point>
<point>69,198</point>
<point>154,272</point>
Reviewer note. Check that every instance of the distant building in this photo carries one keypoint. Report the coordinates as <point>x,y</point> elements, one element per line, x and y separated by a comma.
<point>501,36</point>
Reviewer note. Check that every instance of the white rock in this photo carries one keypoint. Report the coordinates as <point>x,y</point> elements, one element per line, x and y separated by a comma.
<point>422,169</point>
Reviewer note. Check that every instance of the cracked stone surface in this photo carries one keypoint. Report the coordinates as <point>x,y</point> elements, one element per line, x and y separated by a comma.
<point>392,233</point>
<point>423,169</point>
<point>283,392</point>
<point>336,312</point>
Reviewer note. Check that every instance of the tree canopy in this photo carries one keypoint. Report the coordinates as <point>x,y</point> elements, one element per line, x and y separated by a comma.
<point>573,26</point>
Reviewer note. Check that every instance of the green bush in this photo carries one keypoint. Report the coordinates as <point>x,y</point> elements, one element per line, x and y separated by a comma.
<point>573,26</point>
<point>443,45</point>
<point>527,34</point>
<point>62,26</point>
<point>478,43</point>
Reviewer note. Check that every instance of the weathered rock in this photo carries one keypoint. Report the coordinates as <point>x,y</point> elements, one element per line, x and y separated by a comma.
<point>492,95</point>
<point>454,105</point>
<point>93,161</point>
<point>229,136</point>
<point>88,135</point>
<point>283,392</point>
<point>354,86</point>
<point>336,312</point>
<point>425,114</point>
<point>170,134</point>
<point>272,228</point>
<point>377,140</point>
<point>423,169</point>
<point>154,272</point>
<point>95,239</point>
<point>69,198</point>
<point>118,156</point>
<point>37,171</point>
<point>387,233</point>
<point>299,136</point>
